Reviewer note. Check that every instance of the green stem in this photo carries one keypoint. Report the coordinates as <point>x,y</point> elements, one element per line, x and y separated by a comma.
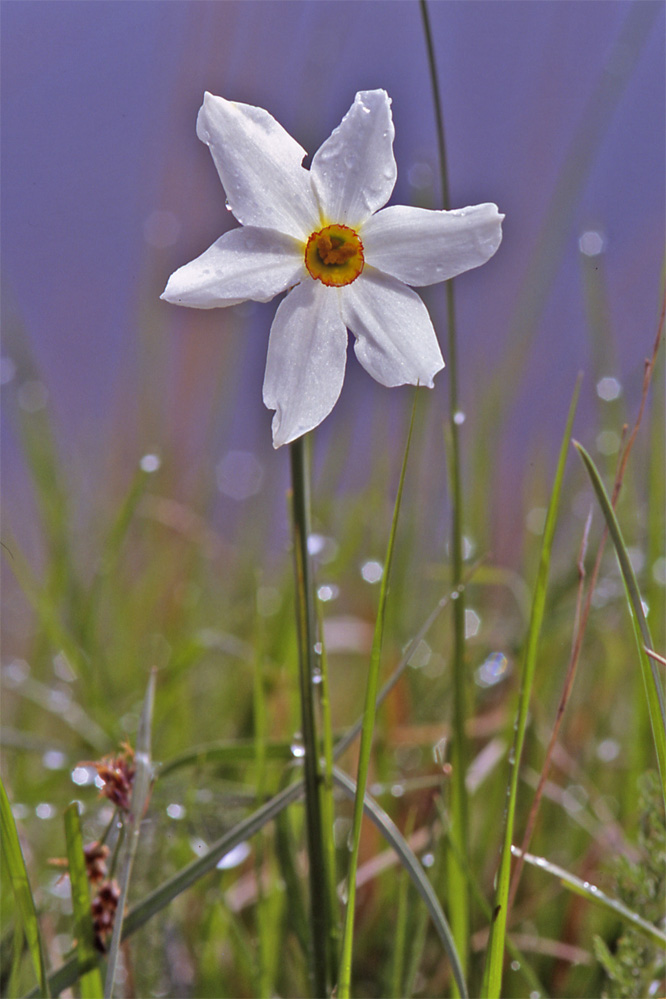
<point>308,664</point>
<point>457,884</point>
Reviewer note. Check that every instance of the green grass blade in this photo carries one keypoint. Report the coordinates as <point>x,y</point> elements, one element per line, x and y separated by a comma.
<point>412,865</point>
<point>140,791</point>
<point>598,897</point>
<point>91,981</point>
<point>369,713</point>
<point>651,678</point>
<point>17,875</point>
<point>492,976</point>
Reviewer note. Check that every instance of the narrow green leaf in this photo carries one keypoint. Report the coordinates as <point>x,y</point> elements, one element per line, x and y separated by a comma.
<point>651,679</point>
<point>597,896</point>
<point>369,713</point>
<point>91,981</point>
<point>492,976</point>
<point>18,876</point>
<point>412,865</point>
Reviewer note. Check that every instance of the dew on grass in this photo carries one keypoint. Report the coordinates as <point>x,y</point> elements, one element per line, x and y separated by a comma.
<point>62,668</point>
<point>659,571</point>
<point>54,759</point>
<point>428,859</point>
<point>322,548</point>
<point>472,623</point>
<point>239,475</point>
<point>646,607</point>
<point>459,418</point>
<point>608,750</point>
<point>591,243</point>
<point>608,389</point>
<point>372,571</point>
<point>297,748</point>
<point>318,648</point>
<point>32,396</point>
<point>20,811</point>
<point>197,845</point>
<point>150,463</point>
<point>515,965</point>
<point>175,811</point>
<point>607,442</point>
<point>44,810</point>
<point>234,858</point>
<point>343,891</point>
<point>468,548</point>
<point>492,670</point>
<point>83,775</point>
<point>420,657</point>
<point>397,790</point>
<point>15,673</point>
<point>439,751</point>
<point>535,521</point>
<point>328,591</point>
<point>574,798</point>
<point>317,676</point>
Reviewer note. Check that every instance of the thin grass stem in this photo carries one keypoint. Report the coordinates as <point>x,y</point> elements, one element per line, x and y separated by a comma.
<point>457,885</point>
<point>308,670</point>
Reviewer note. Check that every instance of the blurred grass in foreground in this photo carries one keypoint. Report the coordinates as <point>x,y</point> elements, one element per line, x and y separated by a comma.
<point>159,587</point>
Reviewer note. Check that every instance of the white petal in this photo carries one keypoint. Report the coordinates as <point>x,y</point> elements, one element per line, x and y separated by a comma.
<point>422,247</point>
<point>305,368</point>
<point>354,171</point>
<point>395,339</point>
<point>260,167</point>
<point>246,263</point>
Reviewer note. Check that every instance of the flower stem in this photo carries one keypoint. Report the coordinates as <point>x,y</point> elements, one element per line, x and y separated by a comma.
<point>457,883</point>
<point>308,664</point>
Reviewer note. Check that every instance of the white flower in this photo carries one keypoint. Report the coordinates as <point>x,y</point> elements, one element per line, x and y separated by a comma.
<point>320,234</point>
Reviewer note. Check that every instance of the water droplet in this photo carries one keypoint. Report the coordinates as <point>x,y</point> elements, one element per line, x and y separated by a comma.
<point>328,591</point>
<point>297,748</point>
<point>343,892</point>
<point>459,418</point>
<point>439,751</point>
<point>44,810</point>
<point>372,571</point>
<point>83,776</point>
<point>493,669</point>
<point>428,859</point>
<point>591,243</point>
<point>609,389</point>
<point>397,790</point>
<point>175,811</point>
<point>318,648</point>
<point>54,759</point>
<point>317,676</point>
<point>235,857</point>
<point>608,442</point>
<point>228,206</point>
<point>515,965</point>
<point>472,623</point>
<point>608,750</point>
<point>150,463</point>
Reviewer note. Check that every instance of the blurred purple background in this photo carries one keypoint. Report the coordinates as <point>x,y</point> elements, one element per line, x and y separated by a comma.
<point>107,190</point>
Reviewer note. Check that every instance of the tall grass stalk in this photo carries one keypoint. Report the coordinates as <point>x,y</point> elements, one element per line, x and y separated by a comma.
<point>369,714</point>
<point>457,886</point>
<point>492,976</point>
<point>309,670</point>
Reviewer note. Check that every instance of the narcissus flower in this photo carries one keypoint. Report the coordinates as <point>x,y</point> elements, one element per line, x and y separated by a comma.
<point>323,235</point>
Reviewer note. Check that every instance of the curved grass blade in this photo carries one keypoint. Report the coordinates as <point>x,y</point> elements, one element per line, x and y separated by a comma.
<point>17,874</point>
<point>597,896</point>
<point>369,713</point>
<point>141,789</point>
<point>651,679</point>
<point>492,975</point>
<point>412,865</point>
<point>91,981</point>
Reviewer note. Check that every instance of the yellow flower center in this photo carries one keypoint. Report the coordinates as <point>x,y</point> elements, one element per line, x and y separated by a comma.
<point>334,255</point>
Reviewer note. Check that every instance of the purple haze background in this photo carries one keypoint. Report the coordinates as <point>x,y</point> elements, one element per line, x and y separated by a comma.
<point>107,190</point>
